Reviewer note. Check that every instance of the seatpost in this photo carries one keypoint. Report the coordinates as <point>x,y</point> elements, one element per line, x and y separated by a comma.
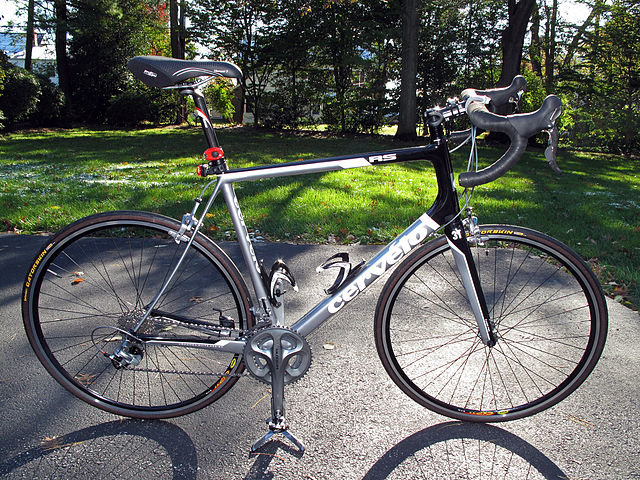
<point>203,113</point>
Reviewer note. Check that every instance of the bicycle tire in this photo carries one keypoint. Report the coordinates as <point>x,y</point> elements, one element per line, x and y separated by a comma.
<point>548,312</point>
<point>88,287</point>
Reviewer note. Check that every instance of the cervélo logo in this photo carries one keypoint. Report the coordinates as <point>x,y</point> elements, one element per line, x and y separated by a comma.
<point>395,253</point>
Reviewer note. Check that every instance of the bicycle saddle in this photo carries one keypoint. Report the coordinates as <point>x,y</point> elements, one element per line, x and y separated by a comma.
<point>163,72</point>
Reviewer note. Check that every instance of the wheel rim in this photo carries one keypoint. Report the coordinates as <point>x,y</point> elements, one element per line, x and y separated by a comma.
<point>104,275</point>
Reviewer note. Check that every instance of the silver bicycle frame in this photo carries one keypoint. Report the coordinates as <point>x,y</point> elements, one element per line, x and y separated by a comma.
<point>389,256</point>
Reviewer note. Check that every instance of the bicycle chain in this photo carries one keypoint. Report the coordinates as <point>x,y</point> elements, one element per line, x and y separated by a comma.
<point>183,372</point>
<point>196,326</point>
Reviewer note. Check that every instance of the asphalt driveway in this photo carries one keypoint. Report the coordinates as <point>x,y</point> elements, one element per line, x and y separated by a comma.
<point>354,421</point>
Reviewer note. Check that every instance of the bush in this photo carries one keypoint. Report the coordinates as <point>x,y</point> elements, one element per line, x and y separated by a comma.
<point>50,108</point>
<point>219,95</point>
<point>20,95</point>
<point>137,105</point>
<point>27,98</point>
<point>361,110</point>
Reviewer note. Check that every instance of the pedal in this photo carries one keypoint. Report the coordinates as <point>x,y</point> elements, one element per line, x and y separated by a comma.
<point>341,261</point>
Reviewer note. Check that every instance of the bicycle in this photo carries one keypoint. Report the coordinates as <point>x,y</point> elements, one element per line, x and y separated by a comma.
<point>142,315</point>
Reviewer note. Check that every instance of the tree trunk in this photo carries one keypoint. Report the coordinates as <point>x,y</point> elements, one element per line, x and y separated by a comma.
<point>30,36</point>
<point>513,39</point>
<point>408,71</point>
<point>550,58</point>
<point>176,15</point>
<point>62,62</point>
<point>535,49</point>
<point>177,49</point>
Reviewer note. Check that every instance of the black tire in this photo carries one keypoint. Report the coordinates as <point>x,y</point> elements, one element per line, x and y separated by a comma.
<point>100,271</point>
<point>549,313</point>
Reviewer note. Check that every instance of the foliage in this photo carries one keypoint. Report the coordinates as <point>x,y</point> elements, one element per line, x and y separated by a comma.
<point>27,98</point>
<point>50,104</point>
<point>439,54</point>
<point>105,35</point>
<point>239,31</point>
<point>598,77</point>
<point>139,104</point>
<point>338,61</point>
<point>219,95</point>
<point>20,94</point>
<point>616,85</point>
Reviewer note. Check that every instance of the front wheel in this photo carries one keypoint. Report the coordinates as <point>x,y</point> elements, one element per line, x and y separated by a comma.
<point>89,289</point>
<point>546,307</point>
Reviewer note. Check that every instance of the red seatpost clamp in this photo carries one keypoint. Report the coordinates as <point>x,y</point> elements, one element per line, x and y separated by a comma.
<point>215,162</point>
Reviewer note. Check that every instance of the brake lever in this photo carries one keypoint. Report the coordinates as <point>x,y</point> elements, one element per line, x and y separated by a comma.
<point>551,152</point>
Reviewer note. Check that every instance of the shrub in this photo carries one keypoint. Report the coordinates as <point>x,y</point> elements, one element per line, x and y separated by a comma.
<point>219,95</point>
<point>50,108</point>
<point>140,104</point>
<point>21,94</point>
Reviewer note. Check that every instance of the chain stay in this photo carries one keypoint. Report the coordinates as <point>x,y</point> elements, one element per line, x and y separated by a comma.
<point>182,372</point>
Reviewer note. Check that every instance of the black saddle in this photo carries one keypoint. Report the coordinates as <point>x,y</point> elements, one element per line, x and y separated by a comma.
<point>168,72</point>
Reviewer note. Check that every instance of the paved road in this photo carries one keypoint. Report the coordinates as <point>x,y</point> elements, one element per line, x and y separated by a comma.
<point>355,422</point>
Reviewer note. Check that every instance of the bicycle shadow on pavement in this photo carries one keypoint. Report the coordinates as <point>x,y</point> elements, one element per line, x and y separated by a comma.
<point>118,449</point>
<point>265,455</point>
<point>464,450</point>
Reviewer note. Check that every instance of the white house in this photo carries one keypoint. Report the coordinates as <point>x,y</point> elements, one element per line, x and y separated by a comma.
<point>43,55</point>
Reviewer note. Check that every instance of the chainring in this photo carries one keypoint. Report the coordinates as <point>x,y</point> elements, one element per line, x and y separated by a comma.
<point>274,347</point>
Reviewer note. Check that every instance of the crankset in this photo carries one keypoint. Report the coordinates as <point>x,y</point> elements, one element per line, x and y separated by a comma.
<point>277,356</point>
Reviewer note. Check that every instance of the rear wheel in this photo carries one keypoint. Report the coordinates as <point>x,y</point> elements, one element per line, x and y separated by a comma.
<point>90,287</point>
<point>547,309</point>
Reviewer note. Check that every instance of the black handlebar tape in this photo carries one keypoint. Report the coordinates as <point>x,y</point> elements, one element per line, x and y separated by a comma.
<point>499,96</point>
<point>517,127</point>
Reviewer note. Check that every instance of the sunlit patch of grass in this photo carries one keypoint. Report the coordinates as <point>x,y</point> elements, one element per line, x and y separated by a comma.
<point>49,179</point>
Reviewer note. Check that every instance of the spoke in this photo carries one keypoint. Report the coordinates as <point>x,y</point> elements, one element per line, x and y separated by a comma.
<point>442,304</point>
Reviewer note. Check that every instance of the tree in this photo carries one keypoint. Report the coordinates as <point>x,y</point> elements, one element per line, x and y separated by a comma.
<point>177,28</point>
<point>513,38</point>
<point>62,58</point>
<point>240,31</point>
<point>550,41</point>
<point>408,72</point>
<point>105,35</point>
<point>30,34</point>
<point>439,50</point>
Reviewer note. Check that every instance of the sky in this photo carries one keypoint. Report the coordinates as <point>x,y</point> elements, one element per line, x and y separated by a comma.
<point>569,9</point>
<point>7,11</point>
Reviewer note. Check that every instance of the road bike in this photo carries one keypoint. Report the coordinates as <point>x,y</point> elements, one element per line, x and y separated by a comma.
<point>144,316</point>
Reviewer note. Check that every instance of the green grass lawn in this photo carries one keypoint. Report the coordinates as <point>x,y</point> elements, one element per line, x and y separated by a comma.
<point>49,179</point>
